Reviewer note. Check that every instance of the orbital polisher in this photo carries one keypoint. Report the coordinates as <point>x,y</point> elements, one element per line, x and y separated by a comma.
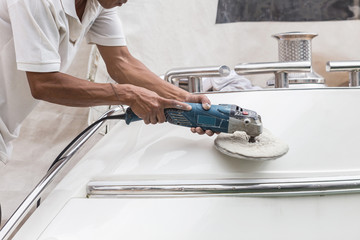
<point>241,130</point>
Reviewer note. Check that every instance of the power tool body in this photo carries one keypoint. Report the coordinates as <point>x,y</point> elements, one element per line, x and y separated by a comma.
<point>227,118</point>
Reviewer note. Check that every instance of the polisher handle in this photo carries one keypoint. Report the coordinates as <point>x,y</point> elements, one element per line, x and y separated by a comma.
<point>130,116</point>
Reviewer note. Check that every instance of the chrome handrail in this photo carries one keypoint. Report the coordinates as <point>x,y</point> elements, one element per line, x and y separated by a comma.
<point>10,227</point>
<point>194,75</point>
<point>280,69</point>
<point>353,67</point>
<point>225,187</point>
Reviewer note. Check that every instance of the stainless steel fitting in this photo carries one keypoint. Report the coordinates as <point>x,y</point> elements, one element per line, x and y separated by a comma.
<point>294,47</point>
<point>190,79</point>
<point>280,69</point>
<point>353,67</point>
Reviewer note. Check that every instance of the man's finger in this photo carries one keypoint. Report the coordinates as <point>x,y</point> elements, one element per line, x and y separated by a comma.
<point>153,119</point>
<point>209,133</point>
<point>177,105</point>
<point>205,101</point>
<point>200,131</point>
<point>161,117</point>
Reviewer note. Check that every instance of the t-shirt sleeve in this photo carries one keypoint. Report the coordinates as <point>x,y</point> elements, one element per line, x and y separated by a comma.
<point>36,36</point>
<point>107,29</point>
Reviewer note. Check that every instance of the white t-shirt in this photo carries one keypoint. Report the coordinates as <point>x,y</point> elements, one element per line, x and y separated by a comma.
<point>43,36</point>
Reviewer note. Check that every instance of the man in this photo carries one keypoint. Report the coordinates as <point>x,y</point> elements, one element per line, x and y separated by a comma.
<point>38,41</point>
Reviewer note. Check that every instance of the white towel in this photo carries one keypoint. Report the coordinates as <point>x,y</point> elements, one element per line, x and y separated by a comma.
<point>233,82</point>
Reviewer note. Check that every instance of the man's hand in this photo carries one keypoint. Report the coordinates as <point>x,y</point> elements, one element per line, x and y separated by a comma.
<point>206,104</point>
<point>150,107</point>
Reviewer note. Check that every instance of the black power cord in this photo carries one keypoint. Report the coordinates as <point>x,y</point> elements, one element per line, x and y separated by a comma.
<point>59,157</point>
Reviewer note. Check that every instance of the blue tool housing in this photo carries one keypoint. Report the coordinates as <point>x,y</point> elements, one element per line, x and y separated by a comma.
<point>215,119</point>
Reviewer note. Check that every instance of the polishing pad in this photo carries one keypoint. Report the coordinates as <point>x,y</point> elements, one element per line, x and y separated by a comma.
<point>266,146</point>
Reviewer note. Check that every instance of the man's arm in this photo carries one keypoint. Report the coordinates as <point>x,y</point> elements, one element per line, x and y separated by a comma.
<point>142,90</point>
<point>64,89</point>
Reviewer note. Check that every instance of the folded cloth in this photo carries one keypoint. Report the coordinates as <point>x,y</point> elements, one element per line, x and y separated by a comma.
<point>233,82</point>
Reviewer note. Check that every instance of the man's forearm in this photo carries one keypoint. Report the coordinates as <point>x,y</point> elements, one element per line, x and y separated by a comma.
<point>67,90</point>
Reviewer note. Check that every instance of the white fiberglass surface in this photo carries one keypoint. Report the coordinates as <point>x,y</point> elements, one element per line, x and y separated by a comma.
<point>207,218</point>
<point>320,127</point>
